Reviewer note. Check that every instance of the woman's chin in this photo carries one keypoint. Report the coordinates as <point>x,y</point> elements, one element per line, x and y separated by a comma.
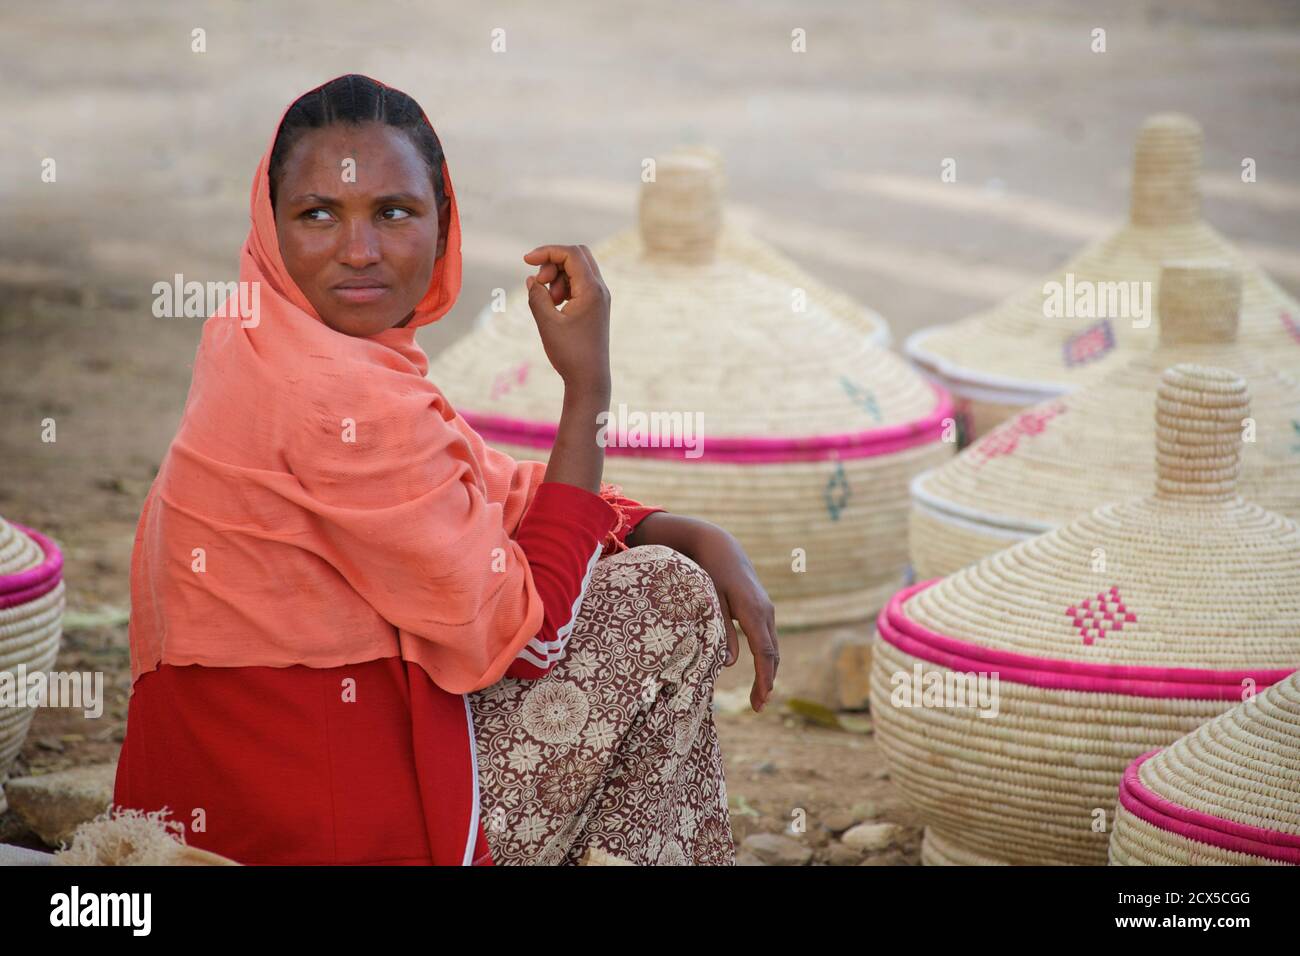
<point>360,322</point>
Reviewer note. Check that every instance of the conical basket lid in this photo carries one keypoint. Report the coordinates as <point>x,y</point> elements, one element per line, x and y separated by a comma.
<point>19,551</point>
<point>1070,454</point>
<point>1191,581</point>
<point>1013,353</point>
<point>705,320</point>
<point>1234,782</point>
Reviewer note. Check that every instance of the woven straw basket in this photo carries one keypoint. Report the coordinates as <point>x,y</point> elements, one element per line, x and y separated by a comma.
<point>998,361</point>
<point>812,430</point>
<point>122,836</point>
<point>1109,636</point>
<point>1068,455</point>
<point>1228,793</point>
<point>31,623</point>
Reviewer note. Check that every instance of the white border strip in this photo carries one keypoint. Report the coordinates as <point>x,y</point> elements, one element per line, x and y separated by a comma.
<point>468,859</point>
<point>982,387</point>
<point>1016,529</point>
<point>543,653</point>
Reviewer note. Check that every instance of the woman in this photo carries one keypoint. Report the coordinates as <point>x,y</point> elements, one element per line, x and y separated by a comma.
<point>358,634</point>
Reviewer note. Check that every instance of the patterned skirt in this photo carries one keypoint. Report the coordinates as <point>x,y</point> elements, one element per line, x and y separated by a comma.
<point>615,748</point>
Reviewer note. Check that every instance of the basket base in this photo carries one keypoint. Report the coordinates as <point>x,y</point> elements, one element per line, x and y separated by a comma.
<point>938,851</point>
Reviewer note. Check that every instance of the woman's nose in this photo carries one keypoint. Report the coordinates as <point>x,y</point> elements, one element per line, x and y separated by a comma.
<point>360,244</point>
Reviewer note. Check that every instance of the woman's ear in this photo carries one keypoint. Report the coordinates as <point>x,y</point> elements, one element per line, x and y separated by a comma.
<point>444,225</point>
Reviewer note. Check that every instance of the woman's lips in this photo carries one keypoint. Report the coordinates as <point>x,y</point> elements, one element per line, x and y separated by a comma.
<point>360,294</point>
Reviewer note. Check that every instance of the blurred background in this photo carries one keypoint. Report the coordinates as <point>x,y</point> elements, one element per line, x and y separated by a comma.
<point>831,155</point>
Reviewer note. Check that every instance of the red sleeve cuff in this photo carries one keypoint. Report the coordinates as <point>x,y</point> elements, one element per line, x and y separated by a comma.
<point>630,514</point>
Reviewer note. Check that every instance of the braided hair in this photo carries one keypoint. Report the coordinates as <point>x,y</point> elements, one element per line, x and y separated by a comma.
<point>358,99</point>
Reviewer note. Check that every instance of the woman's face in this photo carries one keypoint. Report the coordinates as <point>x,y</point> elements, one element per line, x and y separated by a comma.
<point>359,238</point>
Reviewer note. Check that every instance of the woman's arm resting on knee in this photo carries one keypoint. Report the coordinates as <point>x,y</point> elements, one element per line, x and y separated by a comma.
<point>740,593</point>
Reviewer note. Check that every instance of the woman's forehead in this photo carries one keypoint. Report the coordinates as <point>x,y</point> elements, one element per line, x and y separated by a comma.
<point>370,158</point>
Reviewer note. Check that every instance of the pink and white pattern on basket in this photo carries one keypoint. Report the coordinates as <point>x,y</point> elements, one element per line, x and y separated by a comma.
<point>1089,345</point>
<point>1290,325</point>
<point>1095,617</point>
<point>1005,439</point>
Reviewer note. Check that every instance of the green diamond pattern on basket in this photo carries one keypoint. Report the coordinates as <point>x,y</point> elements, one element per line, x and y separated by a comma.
<point>864,398</point>
<point>837,492</point>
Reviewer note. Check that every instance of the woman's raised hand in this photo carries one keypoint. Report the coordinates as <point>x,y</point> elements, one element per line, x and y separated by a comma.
<point>576,338</point>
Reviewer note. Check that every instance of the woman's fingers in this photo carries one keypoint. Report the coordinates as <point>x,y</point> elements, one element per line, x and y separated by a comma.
<point>560,289</point>
<point>771,630</point>
<point>733,642</point>
<point>571,262</point>
<point>557,280</point>
<point>539,301</point>
<point>762,644</point>
<point>550,275</point>
<point>591,262</point>
<point>758,621</point>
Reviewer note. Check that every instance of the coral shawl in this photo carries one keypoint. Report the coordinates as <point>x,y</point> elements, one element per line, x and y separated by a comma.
<point>323,504</point>
<point>325,524</point>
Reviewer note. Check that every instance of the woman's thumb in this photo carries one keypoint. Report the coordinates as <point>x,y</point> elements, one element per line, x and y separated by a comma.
<point>539,298</point>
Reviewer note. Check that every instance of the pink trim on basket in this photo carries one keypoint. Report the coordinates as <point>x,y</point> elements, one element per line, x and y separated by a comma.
<point>15,598</point>
<point>48,570</point>
<point>1136,681</point>
<point>504,429</point>
<point>1163,813</point>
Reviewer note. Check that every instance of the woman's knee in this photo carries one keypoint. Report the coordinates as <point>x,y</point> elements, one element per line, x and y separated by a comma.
<point>686,585</point>
<point>666,590</point>
<point>669,580</point>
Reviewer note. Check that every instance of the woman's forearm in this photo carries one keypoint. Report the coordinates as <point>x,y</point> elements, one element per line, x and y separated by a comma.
<point>576,458</point>
<point>679,532</point>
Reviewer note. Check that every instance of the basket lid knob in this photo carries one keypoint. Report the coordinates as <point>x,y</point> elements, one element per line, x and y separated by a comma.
<point>1200,302</point>
<point>1200,411</point>
<point>680,210</point>
<point>1166,169</point>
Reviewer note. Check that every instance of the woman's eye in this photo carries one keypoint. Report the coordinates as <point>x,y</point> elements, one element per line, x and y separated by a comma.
<point>400,213</point>
<point>310,216</point>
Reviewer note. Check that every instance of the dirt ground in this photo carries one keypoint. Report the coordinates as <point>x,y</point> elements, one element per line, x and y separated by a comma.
<point>832,155</point>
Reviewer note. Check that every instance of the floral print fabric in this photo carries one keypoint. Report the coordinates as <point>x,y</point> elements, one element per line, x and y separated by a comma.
<point>616,747</point>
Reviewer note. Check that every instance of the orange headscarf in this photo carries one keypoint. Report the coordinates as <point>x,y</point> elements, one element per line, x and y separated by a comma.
<point>323,504</point>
